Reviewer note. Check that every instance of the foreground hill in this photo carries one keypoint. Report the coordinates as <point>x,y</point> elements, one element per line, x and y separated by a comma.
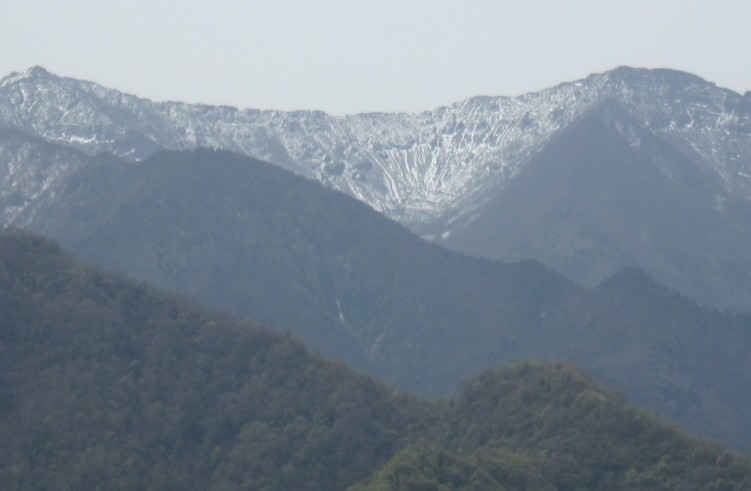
<point>108,383</point>
<point>261,242</point>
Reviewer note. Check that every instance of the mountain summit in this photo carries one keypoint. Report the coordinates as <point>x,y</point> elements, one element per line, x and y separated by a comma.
<point>444,172</point>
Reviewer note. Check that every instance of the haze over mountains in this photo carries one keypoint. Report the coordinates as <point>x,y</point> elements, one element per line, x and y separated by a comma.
<point>588,176</point>
<point>261,242</point>
<point>482,176</point>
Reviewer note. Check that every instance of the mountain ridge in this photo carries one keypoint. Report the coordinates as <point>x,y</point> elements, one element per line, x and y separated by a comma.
<point>416,170</point>
<point>435,171</point>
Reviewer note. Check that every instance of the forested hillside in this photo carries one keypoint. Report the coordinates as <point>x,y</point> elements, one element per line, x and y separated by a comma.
<point>108,383</point>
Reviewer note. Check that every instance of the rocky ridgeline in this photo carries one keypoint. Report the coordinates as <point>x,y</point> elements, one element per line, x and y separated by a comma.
<point>433,167</point>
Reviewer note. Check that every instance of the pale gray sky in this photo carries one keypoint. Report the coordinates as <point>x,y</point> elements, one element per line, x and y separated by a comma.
<point>353,56</point>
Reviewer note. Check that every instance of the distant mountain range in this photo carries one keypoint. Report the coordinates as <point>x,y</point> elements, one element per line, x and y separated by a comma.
<point>633,167</point>
<point>107,383</point>
<point>628,168</point>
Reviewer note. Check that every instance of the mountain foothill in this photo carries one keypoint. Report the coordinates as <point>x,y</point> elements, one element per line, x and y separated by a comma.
<point>107,383</point>
<point>106,379</point>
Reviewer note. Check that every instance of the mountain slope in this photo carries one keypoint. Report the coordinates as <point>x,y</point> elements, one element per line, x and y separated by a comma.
<point>592,202</point>
<point>262,242</point>
<point>439,171</point>
<point>108,381</point>
<point>29,166</point>
<point>259,241</point>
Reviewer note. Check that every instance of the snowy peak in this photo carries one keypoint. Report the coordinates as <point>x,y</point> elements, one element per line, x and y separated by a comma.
<point>709,123</point>
<point>78,113</point>
<point>31,73</point>
<point>633,76</point>
<point>37,72</point>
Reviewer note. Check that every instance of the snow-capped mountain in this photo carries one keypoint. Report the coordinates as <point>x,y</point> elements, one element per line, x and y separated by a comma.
<point>436,171</point>
<point>417,168</point>
<point>413,167</point>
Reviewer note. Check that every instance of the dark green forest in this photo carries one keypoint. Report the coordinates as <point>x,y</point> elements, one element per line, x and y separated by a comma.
<point>106,383</point>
